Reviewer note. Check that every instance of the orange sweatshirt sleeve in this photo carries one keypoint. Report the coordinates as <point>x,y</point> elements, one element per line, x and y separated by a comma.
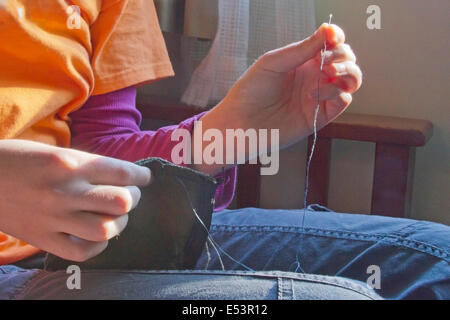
<point>55,54</point>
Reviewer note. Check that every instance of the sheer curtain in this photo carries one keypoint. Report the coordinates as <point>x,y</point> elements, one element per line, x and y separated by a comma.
<point>245,30</point>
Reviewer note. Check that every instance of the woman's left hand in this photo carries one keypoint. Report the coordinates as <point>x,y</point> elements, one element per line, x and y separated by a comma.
<point>279,91</point>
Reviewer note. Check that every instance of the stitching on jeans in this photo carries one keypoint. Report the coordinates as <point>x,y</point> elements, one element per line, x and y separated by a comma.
<point>285,289</point>
<point>280,288</point>
<point>292,289</point>
<point>403,234</point>
<point>422,247</point>
<point>333,281</point>
<point>292,229</point>
<point>329,233</point>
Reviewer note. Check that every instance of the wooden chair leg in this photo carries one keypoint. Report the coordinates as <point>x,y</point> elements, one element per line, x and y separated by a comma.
<point>393,179</point>
<point>319,171</point>
<point>248,185</point>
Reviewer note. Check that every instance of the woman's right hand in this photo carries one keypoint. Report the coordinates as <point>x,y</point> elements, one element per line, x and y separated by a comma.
<point>64,201</point>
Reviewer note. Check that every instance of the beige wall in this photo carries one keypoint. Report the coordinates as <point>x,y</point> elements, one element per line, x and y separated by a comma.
<point>407,73</point>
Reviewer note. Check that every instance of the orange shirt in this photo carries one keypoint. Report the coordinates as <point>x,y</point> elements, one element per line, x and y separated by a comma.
<point>52,60</point>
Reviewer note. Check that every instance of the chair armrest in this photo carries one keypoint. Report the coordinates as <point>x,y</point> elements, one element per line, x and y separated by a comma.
<point>379,129</point>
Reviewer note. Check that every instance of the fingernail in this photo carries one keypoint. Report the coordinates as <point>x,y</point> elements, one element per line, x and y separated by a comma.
<point>340,68</point>
<point>328,55</point>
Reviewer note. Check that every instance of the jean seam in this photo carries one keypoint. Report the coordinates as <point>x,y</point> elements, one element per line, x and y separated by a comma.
<point>280,288</point>
<point>284,288</point>
<point>292,289</point>
<point>337,282</point>
<point>330,233</point>
<point>403,234</point>
<point>420,247</point>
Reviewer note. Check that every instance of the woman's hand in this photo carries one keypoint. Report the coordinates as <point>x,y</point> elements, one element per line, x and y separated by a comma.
<point>64,201</point>
<point>279,91</point>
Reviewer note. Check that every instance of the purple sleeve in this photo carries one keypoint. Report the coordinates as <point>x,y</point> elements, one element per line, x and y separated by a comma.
<point>108,125</point>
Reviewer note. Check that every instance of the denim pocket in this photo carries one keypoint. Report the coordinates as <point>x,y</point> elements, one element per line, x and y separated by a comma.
<point>163,231</point>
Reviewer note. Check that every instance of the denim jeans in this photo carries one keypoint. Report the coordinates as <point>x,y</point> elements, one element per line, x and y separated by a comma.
<point>333,257</point>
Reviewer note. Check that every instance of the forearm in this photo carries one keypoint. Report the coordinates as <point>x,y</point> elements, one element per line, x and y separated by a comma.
<point>109,125</point>
<point>128,144</point>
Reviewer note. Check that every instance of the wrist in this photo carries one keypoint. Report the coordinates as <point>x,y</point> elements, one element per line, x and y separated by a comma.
<point>205,136</point>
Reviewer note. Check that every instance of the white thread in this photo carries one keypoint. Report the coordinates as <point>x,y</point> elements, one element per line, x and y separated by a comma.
<point>313,147</point>
<point>208,255</point>
<point>212,243</point>
<point>211,240</point>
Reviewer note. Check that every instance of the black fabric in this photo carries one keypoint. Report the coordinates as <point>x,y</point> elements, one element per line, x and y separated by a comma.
<point>163,231</point>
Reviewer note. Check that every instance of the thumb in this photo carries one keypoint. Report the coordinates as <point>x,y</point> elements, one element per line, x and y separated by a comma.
<point>295,54</point>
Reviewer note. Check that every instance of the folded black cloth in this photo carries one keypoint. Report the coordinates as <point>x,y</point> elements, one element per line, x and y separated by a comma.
<point>163,231</point>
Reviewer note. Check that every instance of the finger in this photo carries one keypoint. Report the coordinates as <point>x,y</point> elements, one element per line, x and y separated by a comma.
<point>291,56</point>
<point>109,171</point>
<point>326,92</point>
<point>334,35</point>
<point>338,105</point>
<point>94,227</point>
<point>73,248</point>
<point>341,53</point>
<point>345,75</point>
<point>108,200</point>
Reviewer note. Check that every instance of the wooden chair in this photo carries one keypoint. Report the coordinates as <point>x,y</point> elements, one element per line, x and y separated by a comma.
<point>396,140</point>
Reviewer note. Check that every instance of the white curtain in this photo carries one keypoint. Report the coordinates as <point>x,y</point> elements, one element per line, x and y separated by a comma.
<point>246,29</point>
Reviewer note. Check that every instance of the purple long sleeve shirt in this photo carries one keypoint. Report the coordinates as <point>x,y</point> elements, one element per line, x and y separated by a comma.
<point>109,125</point>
